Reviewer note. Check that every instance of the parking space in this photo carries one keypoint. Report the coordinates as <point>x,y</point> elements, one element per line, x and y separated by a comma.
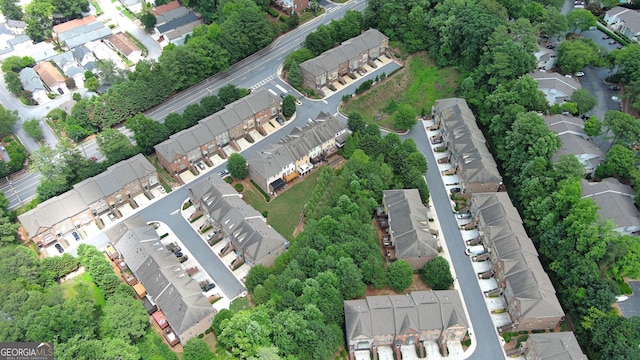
<point>432,350</point>
<point>409,352</point>
<point>125,209</point>
<point>142,200</point>
<point>455,349</point>
<point>256,135</point>
<point>362,355</point>
<point>107,219</point>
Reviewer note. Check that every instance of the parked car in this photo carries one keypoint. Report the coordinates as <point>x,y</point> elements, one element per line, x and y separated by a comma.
<point>179,254</point>
<point>75,235</point>
<point>210,235</point>
<point>223,173</point>
<point>619,47</point>
<point>201,165</point>
<point>614,87</point>
<point>283,95</point>
<point>454,190</point>
<point>208,287</point>
<point>579,74</point>
<point>606,37</point>
<point>59,248</point>
<point>550,46</point>
<point>612,42</point>
<point>475,250</point>
<point>94,158</point>
<point>463,216</point>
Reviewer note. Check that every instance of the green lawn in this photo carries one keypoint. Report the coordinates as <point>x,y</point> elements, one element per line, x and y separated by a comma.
<point>285,209</point>
<point>98,295</point>
<point>239,304</point>
<point>418,84</point>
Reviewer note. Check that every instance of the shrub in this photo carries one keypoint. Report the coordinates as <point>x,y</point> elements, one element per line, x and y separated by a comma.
<point>239,187</point>
<point>265,214</point>
<point>437,274</point>
<point>267,198</point>
<point>624,288</point>
<point>186,205</point>
<point>364,86</point>
<point>272,12</point>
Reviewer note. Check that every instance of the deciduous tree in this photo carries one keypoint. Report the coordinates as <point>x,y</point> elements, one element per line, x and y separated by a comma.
<point>115,145</point>
<point>294,77</point>
<point>288,106</point>
<point>399,275</point>
<point>584,100</point>
<point>237,166</point>
<point>437,274</point>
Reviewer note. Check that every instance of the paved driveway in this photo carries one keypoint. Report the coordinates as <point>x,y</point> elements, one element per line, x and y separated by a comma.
<point>631,307</point>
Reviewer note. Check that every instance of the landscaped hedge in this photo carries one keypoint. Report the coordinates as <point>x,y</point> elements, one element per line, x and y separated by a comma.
<point>267,198</point>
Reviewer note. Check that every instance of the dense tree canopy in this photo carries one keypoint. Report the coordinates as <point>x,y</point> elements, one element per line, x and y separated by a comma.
<point>237,166</point>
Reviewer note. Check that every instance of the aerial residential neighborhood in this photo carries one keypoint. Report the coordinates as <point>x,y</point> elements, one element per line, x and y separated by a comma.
<point>320,180</point>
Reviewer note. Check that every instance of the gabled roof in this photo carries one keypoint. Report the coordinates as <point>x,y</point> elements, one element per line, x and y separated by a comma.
<point>296,145</point>
<point>73,24</point>
<point>216,124</point>
<point>68,64</point>
<point>174,291</point>
<point>417,312</point>
<point>83,194</point>
<point>532,288</point>
<point>245,227</point>
<point>16,23</point>
<point>554,346</point>
<point>348,50</point>
<point>556,84</point>
<point>468,143</point>
<point>49,74</point>
<point>30,80</point>
<point>615,201</point>
<point>631,20</point>
<point>19,40</point>
<point>180,26</point>
<point>122,42</point>
<point>571,144</point>
<point>166,7</point>
<point>409,224</point>
<point>560,124</point>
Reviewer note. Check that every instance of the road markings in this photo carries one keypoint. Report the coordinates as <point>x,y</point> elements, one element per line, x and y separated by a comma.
<point>325,101</point>
<point>175,212</point>
<point>265,81</point>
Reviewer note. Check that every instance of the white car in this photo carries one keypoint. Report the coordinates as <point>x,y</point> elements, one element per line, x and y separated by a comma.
<point>463,216</point>
<point>579,74</point>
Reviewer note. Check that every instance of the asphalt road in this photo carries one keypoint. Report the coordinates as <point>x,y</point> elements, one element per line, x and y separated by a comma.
<point>488,346</point>
<point>631,306</point>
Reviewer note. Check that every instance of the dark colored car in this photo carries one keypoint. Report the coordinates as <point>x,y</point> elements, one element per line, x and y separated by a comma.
<point>208,287</point>
<point>75,235</point>
<point>606,37</point>
<point>283,95</point>
<point>551,46</point>
<point>179,254</point>
<point>223,173</point>
<point>454,190</point>
<point>614,87</point>
<point>612,42</point>
<point>59,248</point>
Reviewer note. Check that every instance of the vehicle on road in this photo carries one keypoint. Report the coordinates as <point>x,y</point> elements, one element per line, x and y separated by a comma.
<point>614,87</point>
<point>283,95</point>
<point>550,46</point>
<point>224,173</point>
<point>59,248</point>
<point>463,216</point>
<point>75,235</point>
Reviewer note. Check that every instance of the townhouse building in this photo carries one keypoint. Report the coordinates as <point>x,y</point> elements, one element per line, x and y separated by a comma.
<point>297,153</point>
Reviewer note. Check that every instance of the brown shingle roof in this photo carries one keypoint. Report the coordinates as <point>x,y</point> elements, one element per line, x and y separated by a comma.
<point>121,42</point>
<point>166,7</point>
<point>49,74</point>
<point>73,24</point>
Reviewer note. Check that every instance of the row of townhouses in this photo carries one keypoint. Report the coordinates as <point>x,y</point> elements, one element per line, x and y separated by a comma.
<point>183,150</point>
<point>91,199</point>
<point>297,153</point>
<point>333,64</point>
<point>243,228</point>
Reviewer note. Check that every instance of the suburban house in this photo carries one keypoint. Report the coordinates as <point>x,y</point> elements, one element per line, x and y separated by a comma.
<point>573,141</point>
<point>70,67</point>
<point>120,42</point>
<point>556,345</point>
<point>546,58</point>
<point>616,202</point>
<point>177,296</point>
<point>626,21</point>
<point>16,27</point>
<point>172,26</point>
<point>183,150</point>
<point>293,6</point>
<point>297,153</point>
<point>468,153</point>
<point>430,320</point>
<point>80,31</point>
<point>14,46</point>
<point>243,228</point>
<point>41,51</point>
<point>344,59</point>
<point>556,87</point>
<point>90,199</point>
<point>84,57</point>
<point>134,6</point>
<point>410,234</point>
<point>51,77</point>
<point>32,83</point>
<point>102,51</point>
<point>166,7</point>
<point>530,296</point>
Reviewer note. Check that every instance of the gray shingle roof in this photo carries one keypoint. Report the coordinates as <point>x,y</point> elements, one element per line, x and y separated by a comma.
<point>560,124</point>
<point>395,314</point>
<point>297,144</point>
<point>30,80</point>
<point>348,50</point>
<point>469,147</point>
<point>557,82</point>
<point>68,64</point>
<point>555,346</point>
<point>615,201</point>
<point>409,224</point>
<point>571,144</point>
<point>175,292</point>
<point>19,40</point>
<point>83,194</point>
<point>246,227</point>
<point>216,124</point>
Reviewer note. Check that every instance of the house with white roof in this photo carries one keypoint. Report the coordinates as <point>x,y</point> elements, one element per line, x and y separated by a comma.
<point>556,87</point>
<point>626,21</point>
